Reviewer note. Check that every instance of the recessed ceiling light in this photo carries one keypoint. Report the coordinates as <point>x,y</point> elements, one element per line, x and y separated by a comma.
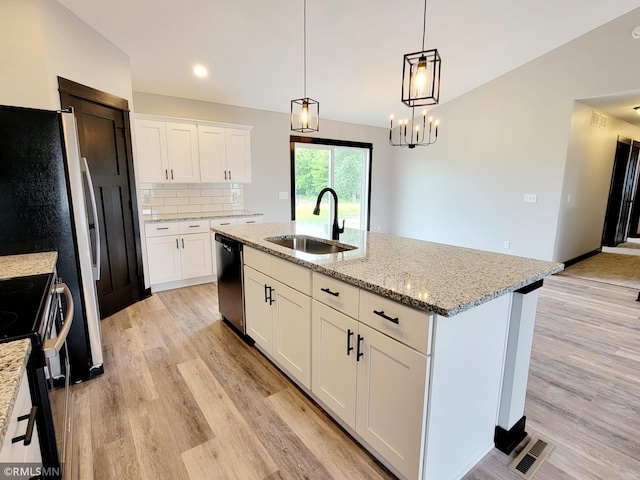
<point>200,71</point>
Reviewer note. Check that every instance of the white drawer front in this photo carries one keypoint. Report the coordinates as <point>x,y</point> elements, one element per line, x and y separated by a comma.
<point>196,226</point>
<point>336,294</point>
<point>161,229</point>
<point>292,275</point>
<point>405,324</point>
<point>257,260</point>
<point>242,220</point>
<point>220,222</point>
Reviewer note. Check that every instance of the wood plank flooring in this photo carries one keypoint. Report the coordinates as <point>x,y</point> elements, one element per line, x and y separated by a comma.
<point>183,397</point>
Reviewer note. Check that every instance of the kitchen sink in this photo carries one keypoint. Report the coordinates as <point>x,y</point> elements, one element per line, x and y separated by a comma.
<point>306,244</point>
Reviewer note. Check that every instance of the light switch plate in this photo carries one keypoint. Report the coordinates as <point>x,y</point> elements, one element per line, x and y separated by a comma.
<point>283,195</point>
<point>530,198</point>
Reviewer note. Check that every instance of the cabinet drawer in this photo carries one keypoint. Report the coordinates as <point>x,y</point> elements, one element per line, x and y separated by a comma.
<point>197,226</point>
<point>161,229</point>
<point>17,452</point>
<point>242,220</point>
<point>257,260</point>
<point>219,222</point>
<point>292,275</point>
<point>412,327</point>
<point>336,294</point>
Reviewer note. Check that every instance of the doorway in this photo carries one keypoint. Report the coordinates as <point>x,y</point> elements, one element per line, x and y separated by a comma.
<point>623,212</point>
<point>105,140</point>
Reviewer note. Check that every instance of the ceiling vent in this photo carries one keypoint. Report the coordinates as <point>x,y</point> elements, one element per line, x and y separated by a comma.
<point>599,119</point>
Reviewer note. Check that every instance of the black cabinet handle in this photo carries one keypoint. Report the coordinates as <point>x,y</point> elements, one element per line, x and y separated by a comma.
<point>229,174</point>
<point>166,174</point>
<point>386,317</point>
<point>359,353</point>
<point>182,242</point>
<point>177,245</point>
<point>266,296</point>
<point>271,299</point>
<point>172,174</point>
<point>349,335</point>
<point>326,290</point>
<point>194,226</point>
<point>158,228</point>
<point>225,174</point>
<point>29,433</point>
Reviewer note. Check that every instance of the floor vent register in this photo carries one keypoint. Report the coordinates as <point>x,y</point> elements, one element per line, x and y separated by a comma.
<point>531,457</point>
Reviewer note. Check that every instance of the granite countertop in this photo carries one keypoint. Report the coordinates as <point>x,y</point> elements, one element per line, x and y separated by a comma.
<point>433,277</point>
<point>174,217</point>
<point>27,264</point>
<point>13,362</point>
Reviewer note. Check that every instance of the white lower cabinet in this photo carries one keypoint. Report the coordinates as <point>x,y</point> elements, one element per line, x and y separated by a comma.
<point>17,453</point>
<point>178,251</point>
<point>374,383</point>
<point>278,316</point>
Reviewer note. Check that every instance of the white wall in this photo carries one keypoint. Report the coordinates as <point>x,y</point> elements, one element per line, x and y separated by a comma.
<point>587,177</point>
<point>507,138</point>
<point>42,40</point>
<point>270,151</point>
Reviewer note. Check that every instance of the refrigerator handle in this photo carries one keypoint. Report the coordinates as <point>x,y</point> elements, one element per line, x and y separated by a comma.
<point>92,195</point>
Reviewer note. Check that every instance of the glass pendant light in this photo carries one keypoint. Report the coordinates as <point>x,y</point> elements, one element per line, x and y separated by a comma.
<point>305,111</point>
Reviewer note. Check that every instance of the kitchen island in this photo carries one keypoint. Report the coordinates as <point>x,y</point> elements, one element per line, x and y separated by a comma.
<point>438,338</point>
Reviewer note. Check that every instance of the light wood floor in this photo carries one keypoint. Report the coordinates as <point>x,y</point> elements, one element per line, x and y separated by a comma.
<point>183,397</point>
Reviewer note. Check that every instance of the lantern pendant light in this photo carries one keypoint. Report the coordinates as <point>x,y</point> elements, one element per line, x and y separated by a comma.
<point>305,111</point>
<point>421,74</point>
<point>420,87</point>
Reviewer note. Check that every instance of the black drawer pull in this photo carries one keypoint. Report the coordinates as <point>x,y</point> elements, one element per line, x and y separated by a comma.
<point>29,433</point>
<point>228,223</point>
<point>194,226</point>
<point>326,290</point>
<point>162,228</point>
<point>266,295</point>
<point>386,317</point>
<point>349,335</point>
<point>359,353</point>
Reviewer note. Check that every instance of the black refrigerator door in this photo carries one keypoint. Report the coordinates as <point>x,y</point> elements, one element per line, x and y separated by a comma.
<point>35,212</point>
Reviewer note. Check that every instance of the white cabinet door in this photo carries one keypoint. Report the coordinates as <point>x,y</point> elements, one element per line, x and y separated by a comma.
<point>391,399</point>
<point>182,148</point>
<point>195,255</point>
<point>334,363</point>
<point>151,147</point>
<point>238,145</point>
<point>213,154</point>
<point>292,332</point>
<point>258,311</point>
<point>163,255</point>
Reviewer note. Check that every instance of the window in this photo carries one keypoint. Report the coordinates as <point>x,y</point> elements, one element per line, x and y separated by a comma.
<point>342,165</point>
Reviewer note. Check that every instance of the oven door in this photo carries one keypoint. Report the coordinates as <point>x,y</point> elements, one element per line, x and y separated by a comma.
<point>58,373</point>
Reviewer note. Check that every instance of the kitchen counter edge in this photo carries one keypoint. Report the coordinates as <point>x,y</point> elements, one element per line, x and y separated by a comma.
<point>177,217</point>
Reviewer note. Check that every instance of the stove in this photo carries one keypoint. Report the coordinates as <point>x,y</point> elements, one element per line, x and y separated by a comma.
<point>23,306</point>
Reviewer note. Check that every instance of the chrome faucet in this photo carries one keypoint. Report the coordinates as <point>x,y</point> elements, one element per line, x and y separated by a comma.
<point>336,230</point>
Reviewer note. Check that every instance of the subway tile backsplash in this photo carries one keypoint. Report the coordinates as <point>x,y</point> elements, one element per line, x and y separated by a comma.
<point>191,197</point>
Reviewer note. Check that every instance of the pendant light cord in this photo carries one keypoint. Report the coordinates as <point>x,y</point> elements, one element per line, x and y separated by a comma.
<point>304,57</point>
<point>424,23</point>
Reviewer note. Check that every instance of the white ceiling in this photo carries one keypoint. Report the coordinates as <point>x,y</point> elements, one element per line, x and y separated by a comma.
<point>253,48</point>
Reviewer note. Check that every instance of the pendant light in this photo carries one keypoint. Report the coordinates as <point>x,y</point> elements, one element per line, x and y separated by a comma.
<point>420,87</point>
<point>305,111</point>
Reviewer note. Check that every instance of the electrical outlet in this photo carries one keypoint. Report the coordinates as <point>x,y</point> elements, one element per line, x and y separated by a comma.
<point>530,198</point>
<point>506,244</point>
<point>378,227</point>
<point>569,198</point>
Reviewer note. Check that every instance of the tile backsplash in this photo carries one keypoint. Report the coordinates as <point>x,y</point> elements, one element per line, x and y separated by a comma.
<point>191,197</point>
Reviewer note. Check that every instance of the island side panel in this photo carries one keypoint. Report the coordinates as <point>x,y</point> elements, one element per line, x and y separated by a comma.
<point>464,395</point>
<point>511,421</point>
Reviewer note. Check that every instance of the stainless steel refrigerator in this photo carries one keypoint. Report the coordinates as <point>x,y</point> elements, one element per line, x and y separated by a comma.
<point>47,203</point>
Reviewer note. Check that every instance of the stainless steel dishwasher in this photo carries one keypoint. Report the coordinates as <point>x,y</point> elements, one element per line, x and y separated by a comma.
<point>230,297</point>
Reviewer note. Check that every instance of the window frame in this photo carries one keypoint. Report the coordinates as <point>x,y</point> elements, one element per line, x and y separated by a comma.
<point>332,143</point>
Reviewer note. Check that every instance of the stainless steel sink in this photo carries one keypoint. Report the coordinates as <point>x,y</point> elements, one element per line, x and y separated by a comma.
<point>304,243</point>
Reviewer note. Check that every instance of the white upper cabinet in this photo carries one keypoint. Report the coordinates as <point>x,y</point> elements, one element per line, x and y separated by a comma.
<point>191,151</point>
<point>225,154</point>
<point>182,147</point>
<point>151,143</point>
<point>238,143</point>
